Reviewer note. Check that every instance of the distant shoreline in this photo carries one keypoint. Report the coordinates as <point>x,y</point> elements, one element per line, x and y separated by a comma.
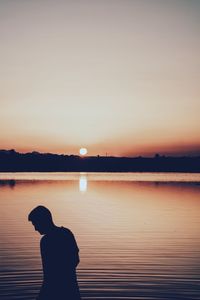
<point>12,161</point>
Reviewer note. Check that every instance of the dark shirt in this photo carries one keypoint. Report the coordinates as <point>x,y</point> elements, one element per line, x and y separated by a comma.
<point>59,252</point>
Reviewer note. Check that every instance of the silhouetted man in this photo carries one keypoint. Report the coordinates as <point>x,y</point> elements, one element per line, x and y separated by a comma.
<point>60,258</point>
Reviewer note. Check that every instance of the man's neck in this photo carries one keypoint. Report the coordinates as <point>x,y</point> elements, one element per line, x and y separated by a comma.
<point>52,227</point>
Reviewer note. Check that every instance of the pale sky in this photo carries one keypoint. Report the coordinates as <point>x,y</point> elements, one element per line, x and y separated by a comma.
<point>120,77</point>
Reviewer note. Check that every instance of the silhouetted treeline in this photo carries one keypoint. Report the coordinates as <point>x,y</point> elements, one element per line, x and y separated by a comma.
<point>12,161</point>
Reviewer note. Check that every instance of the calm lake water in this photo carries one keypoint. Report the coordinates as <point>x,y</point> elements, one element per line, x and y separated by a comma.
<point>138,234</point>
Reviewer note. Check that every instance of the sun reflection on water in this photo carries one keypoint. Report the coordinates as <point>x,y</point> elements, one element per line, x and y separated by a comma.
<point>83,182</point>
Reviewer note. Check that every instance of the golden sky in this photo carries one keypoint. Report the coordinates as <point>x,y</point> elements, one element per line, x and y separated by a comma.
<point>120,77</point>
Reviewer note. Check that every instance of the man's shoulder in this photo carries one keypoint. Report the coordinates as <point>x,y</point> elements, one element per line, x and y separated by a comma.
<point>44,240</point>
<point>66,231</point>
<point>61,233</point>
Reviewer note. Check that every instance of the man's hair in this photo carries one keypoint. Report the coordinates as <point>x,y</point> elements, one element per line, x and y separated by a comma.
<point>40,213</point>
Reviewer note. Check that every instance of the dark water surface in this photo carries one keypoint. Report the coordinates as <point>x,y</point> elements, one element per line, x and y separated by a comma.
<point>138,234</point>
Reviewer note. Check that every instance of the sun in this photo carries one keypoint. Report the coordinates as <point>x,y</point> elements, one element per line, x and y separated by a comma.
<point>83,151</point>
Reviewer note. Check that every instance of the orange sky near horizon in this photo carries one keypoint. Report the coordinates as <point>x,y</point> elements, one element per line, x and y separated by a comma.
<point>118,77</point>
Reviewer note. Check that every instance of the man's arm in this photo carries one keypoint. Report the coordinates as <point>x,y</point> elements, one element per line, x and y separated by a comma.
<point>42,293</point>
<point>74,252</point>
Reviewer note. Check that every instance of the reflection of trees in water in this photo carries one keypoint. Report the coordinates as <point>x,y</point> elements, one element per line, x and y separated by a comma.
<point>176,183</point>
<point>11,183</point>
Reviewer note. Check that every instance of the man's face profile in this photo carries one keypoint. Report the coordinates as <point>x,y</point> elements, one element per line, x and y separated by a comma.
<point>39,226</point>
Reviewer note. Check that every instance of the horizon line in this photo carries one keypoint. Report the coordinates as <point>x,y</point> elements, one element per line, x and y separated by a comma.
<point>156,155</point>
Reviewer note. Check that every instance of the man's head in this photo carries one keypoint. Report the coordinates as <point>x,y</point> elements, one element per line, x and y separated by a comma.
<point>41,219</point>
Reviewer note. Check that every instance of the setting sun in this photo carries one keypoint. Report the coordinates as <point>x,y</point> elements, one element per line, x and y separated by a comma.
<point>83,151</point>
